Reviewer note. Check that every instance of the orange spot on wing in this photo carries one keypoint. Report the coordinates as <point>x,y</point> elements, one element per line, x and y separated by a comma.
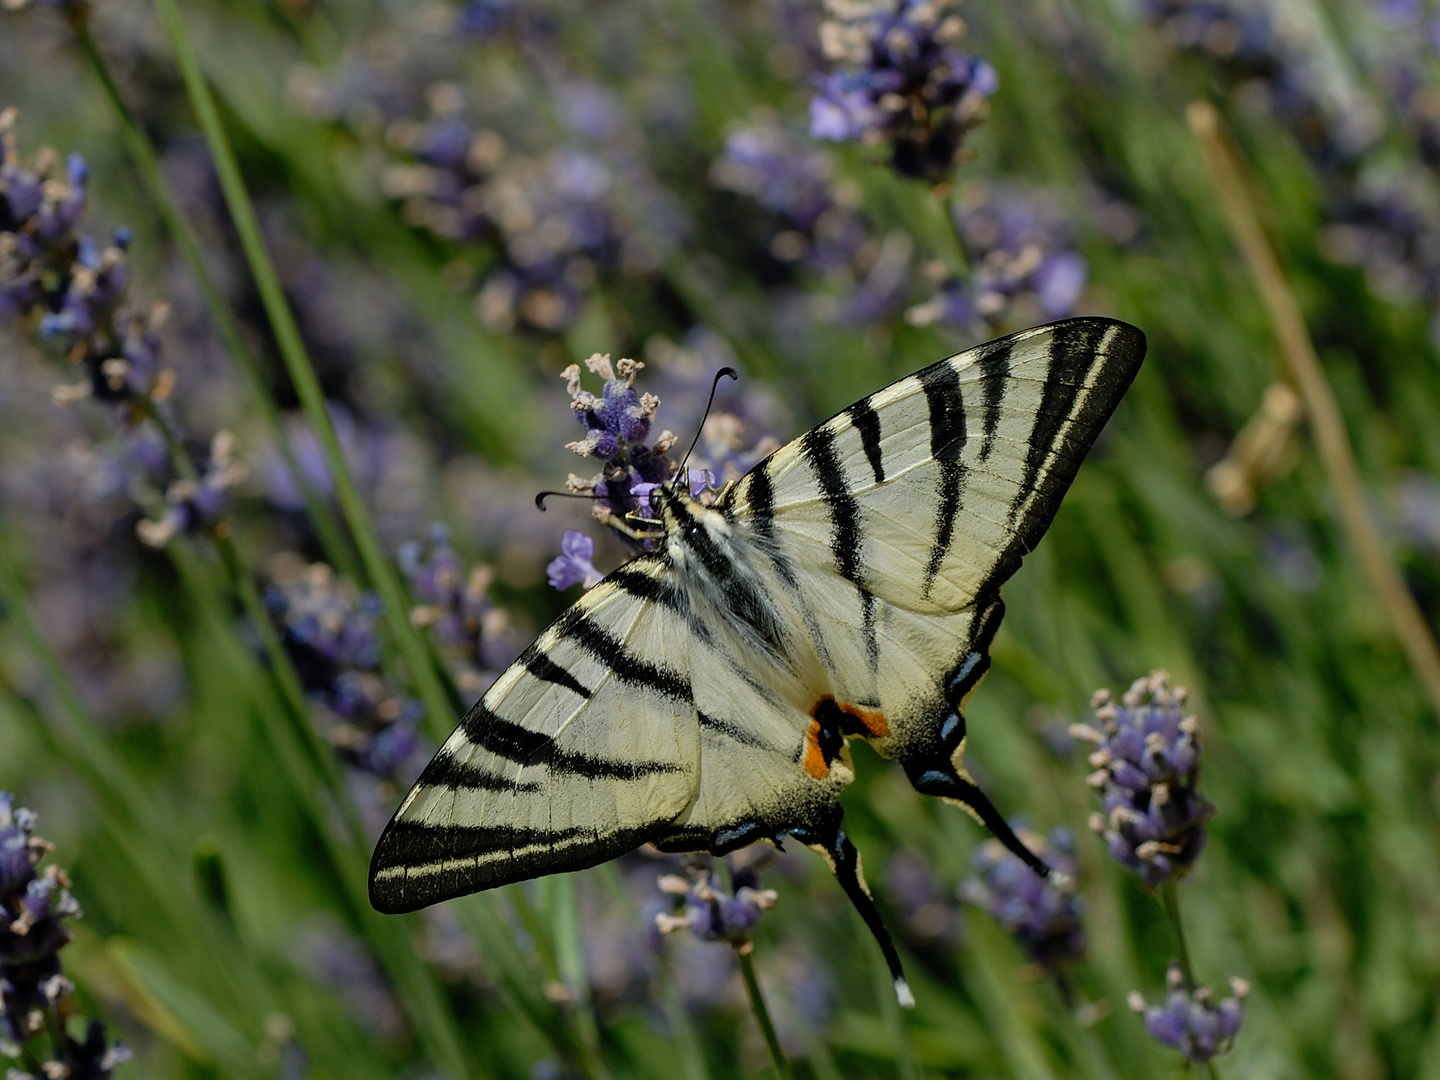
<point>872,721</point>
<point>814,760</point>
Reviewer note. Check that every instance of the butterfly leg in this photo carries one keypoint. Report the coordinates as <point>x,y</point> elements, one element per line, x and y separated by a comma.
<point>835,848</point>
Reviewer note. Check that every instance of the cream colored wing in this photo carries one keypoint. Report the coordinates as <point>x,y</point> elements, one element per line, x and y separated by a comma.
<point>928,492</point>
<point>583,750</point>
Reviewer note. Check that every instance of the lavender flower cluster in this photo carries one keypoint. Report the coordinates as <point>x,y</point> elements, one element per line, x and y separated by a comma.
<point>331,634</point>
<point>1043,914</point>
<point>455,608</point>
<point>1192,1021</point>
<point>711,913</point>
<point>1024,267</point>
<point>616,425</point>
<point>901,82</point>
<point>68,286</point>
<point>57,281</point>
<point>1147,763</point>
<point>34,992</point>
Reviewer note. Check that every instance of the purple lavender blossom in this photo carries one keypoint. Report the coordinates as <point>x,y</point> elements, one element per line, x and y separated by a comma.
<point>34,909</point>
<point>68,288</point>
<point>901,82</point>
<point>711,914</point>
<point>1043,915</point>
<point>573,566</point>
<point>331,633</point>
<point>1193,1022</point>
<point>1147,763</point>
<point>455,608</point>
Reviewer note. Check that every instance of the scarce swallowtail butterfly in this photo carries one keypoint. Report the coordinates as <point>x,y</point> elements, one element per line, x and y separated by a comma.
<point>702,696</point>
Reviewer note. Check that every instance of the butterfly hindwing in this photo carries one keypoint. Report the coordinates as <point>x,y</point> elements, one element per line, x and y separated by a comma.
<point>576,755</point>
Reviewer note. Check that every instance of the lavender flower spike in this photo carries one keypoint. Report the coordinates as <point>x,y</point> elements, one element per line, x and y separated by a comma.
<point>1147,763</point>
<point>1192,1021</point>
<point>34,908</point>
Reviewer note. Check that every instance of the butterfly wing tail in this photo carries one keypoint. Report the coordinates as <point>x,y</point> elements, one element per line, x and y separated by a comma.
<point>830,841</point>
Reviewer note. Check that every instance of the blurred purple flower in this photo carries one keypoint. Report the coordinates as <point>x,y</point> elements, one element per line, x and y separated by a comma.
<point>901,83</point>
<point>928,910</point>
<point>1147,763</point>
<point>331,634</point>
<point>1193,1022</point>
<point>456,609</point>
<point>1024,269</point>
<point>1044,915</point>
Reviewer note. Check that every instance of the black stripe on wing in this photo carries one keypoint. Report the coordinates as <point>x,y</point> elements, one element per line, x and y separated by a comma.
<point>462,858</point>
<point>517,743</point>
<point>941,383</point>
<point>818,447</point>
<point>448,771</point>
<point>867,423</point>
<point>733,731</point>
<point>542,667</point>
<point>1069,419</point>
<point>994,364</point>
<point>759,493</point>
<point>577,626</point>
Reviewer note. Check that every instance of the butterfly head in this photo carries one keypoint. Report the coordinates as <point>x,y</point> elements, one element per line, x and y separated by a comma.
<point>690,525</point>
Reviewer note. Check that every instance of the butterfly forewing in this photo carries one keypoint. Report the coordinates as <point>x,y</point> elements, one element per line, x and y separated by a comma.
<point>928,492</point>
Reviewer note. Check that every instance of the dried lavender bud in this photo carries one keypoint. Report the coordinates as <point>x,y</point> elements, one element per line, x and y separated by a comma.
<point>1147,763</point>
<point>1043,915</point>
<point>1193,1022</point>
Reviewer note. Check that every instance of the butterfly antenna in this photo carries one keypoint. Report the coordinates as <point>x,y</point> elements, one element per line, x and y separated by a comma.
<point>724,372</point>
<point>540,497</point>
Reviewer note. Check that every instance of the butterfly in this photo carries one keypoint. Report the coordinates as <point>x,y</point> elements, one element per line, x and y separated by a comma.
<point>702,696</point>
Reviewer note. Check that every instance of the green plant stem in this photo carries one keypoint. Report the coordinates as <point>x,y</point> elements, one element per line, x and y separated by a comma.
<point>147,165</point>
<point>1170,901</point>
<point>381,573</point>
<point>762,1014</point>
